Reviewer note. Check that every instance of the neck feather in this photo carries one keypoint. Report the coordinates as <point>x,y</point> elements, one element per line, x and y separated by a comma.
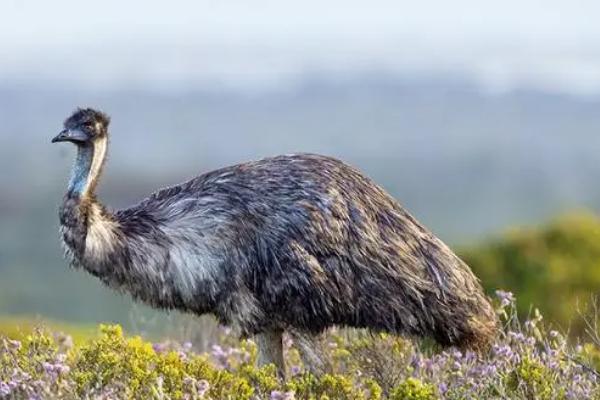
<point>87,168</point>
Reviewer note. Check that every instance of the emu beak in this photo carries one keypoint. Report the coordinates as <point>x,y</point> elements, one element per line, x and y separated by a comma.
<point>70,135</point>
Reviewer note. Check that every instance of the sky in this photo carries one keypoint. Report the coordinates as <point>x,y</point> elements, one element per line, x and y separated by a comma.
<point>260,44</point>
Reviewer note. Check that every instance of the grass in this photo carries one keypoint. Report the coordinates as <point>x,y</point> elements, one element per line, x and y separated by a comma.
<point>20,327</point>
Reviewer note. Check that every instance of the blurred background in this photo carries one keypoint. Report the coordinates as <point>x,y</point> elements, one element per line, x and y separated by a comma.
<point>481,118</point>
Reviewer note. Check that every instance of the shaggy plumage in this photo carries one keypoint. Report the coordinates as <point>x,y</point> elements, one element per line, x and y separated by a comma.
<point>291,243</point>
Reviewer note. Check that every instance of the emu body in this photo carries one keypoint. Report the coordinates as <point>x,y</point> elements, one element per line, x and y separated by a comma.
<point>293,243</point>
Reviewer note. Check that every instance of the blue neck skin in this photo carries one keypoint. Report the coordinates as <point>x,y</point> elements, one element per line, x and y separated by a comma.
<point>81,170</point>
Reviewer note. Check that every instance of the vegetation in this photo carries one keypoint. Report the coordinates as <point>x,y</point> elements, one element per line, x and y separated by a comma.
<point>527,362</point>
<point>555,267</point>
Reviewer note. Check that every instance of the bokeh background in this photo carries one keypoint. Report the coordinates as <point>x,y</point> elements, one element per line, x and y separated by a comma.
<point>482,118</point>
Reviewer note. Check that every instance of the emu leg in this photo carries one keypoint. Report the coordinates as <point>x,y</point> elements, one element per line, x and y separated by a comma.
<point>310,347</point>
<point>270,351</point>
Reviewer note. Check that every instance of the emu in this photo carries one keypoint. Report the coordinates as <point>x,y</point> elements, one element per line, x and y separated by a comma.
<point>294,243</point>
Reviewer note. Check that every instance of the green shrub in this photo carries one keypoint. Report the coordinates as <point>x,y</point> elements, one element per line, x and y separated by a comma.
<point>413,389</point>
<point>562,258</point>
<point>531,379</point>
<point>130,368</point>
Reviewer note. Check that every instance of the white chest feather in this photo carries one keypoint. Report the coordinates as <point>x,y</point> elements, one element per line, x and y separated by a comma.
<point>101,236</point>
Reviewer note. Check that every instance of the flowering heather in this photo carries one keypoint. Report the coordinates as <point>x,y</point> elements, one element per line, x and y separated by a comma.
<point>526,362</point>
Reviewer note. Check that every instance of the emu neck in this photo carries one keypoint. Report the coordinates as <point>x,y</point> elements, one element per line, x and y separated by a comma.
<point>87,168</point>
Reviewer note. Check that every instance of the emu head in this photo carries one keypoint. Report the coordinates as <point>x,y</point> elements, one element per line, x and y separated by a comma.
<point>84,127</point>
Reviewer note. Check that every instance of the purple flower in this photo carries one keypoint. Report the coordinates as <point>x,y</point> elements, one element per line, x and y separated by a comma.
<point>55,369</point>
<point>13,344</point>
<point>553,365</point>
<point>470,356</point>
<point>516,336</point>
<point>159,347</point>
<point>277,395</point>
<point>49,368</point>
<point>217,351</point>
<point>203,387</point>
<point>506,298</point>
<point>5,389</point>
<point>503,351</point>
<point>188,380</point>
<point>442,388</point>
<point>220,355</point>
<point>295,370</point>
